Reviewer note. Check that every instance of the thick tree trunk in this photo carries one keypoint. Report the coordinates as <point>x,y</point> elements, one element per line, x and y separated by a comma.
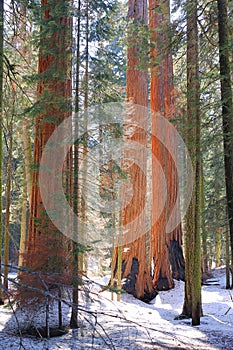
<point>227,110</point>
<point>46,250</point>
<point>166,247</point>
<point>135,263</point>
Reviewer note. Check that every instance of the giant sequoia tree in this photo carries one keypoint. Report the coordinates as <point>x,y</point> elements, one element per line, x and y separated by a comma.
<point>166,246</point>
<point>45,248</point>
<point>164,251</point>
<point>135,260</point>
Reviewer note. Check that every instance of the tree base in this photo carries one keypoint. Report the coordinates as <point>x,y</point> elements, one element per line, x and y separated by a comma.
<point>41,332</point>
<point>76,325</point>
<point>181,317</point>
<point>163,284</point>
<point>176,259</point>
<point>149,296</point>
<point>130,283</point>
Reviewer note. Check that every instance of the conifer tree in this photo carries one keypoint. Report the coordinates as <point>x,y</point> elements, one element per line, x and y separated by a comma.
<point>135,262</point>
<point>167,253</point>
<point>227,110</point>
<point>192,302</point>
<point>46,246</point>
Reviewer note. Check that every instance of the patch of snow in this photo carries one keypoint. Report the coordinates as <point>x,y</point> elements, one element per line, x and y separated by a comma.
<point>132,324</point>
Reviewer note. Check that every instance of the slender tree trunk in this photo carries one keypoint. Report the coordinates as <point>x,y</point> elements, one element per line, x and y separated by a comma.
<point>84,188</point>
<point>76,275</point>
<point>25,123</point>
<point>23,226</point>
<point>227,110</point>
<point>203,226</point>
<point>192,302</point>
<point>27,147</point>
<point>228,284</point>
<point>1,119</point>
<point>196,290</point>
<point>27,189</point>
<point>8,203</point>
<point>218,245</point>
<point>27,158</point>
<point>119,258</point>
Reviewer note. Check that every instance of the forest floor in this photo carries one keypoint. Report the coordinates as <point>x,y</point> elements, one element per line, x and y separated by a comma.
<point>131,324</point>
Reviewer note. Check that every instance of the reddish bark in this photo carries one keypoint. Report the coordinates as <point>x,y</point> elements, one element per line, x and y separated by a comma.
<point>45,242</point>
<point>135,262</point>
<point>165,247</point>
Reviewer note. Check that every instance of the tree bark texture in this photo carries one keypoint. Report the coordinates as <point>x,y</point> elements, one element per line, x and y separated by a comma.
<point>192,303</point>
<point>136,275</point>
<point>45,250</point>
<point>166,248</point>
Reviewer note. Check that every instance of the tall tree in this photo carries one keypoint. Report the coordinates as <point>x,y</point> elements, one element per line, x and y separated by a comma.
<point>46,245</point>
<point>135,262</point>
<point>227,110</point>
<point>1,100</point>
<point>166,249</point>
<point>76,255</point>
<point>8,194</point>
<point>26,141</point>
<point>192,303</point>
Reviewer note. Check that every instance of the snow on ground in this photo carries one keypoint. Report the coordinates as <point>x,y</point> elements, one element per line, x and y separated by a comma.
<point>132,324</point>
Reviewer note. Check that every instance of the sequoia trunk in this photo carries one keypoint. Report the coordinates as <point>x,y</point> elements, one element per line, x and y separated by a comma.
<point>45,250</point>
<point>135,262</point>
<point>166,248</point>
